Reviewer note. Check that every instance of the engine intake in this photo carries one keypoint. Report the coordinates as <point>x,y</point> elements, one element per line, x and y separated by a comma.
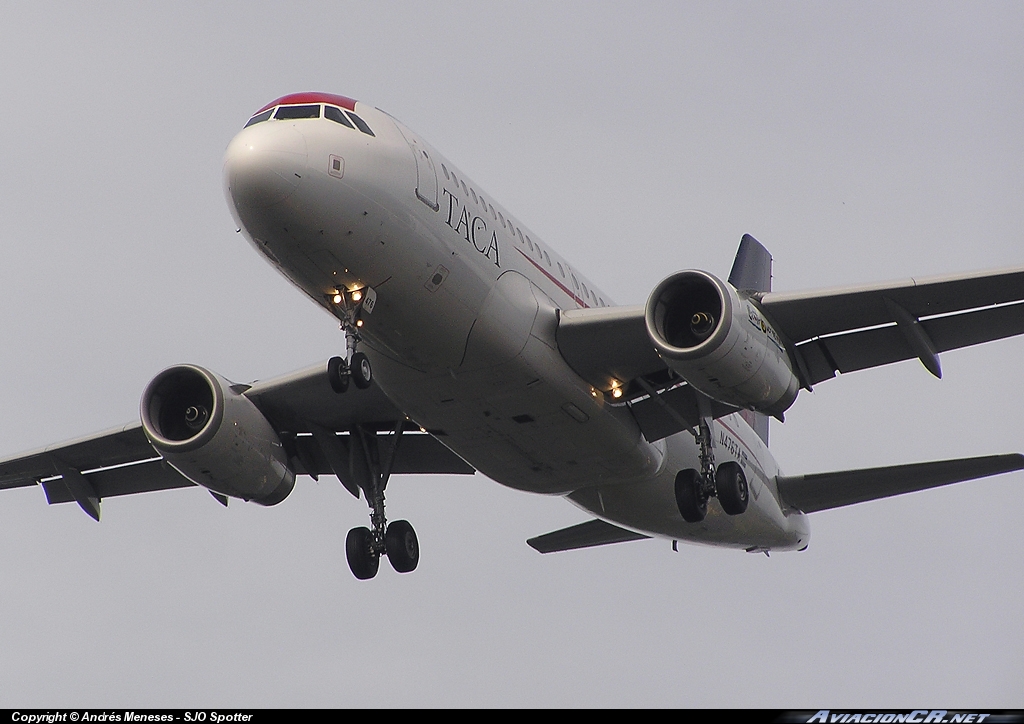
<point>215,436</point>
<point>720,343</point>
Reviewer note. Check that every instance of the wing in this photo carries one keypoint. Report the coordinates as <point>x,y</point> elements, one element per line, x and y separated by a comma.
<point>827,332</point>
<point>853,328</point>
<point>823,491</point>
<point>312,421</point>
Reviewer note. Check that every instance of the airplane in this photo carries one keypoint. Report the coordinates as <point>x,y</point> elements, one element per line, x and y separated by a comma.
<point>470,346</point>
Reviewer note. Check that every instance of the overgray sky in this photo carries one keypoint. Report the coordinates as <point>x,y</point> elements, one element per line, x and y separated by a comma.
<point>859,142</point>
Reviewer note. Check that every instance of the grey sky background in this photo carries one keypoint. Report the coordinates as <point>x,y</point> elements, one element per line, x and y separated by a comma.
<point>859,142</point>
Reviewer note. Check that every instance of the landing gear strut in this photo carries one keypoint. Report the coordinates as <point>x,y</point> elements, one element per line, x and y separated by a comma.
<point>355,366</point>
<point>727,483</point>
<point>365,546</point>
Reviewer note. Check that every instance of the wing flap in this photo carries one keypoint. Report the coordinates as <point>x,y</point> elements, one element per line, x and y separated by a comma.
<point>418,454</point>
<point>128,480</point>
<point>117,446</point>
<point>585,535</point>
<point>674,410</point>
<point>805,315</point>
<point>858,350</point>
<point>824,491</point>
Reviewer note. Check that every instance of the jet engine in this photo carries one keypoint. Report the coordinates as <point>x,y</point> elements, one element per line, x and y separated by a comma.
<point>720,343</point>
<point>215,436</point>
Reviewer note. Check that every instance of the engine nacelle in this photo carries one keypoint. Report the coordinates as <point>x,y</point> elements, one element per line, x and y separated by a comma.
<point>720,343</point>
<point>215,436</point>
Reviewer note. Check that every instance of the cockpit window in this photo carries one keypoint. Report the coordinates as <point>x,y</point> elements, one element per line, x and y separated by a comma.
<point>360,124</point>
<point>259,117</point>
<point>290,112</point>
<point>335,114</point>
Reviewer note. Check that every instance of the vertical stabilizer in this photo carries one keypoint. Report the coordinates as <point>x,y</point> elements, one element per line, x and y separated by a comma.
<point>752,271</point>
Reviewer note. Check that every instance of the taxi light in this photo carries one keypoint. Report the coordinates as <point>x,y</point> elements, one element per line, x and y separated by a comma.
<point>616,392</point>
<point>357,295</point>
<point>359,323</point>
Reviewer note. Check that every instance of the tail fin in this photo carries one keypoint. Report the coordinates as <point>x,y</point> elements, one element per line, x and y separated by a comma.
<point>752,271</point>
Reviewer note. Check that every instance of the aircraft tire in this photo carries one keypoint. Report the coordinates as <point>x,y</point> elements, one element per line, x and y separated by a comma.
<point>337,374</point>
<point>362,373</point>
<point>361,560</point>
<point>402,546</point>
<point>733,492</point>
<point>693,506</point>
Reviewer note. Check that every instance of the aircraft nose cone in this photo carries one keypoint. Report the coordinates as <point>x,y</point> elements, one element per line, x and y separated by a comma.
<point>264,164</point>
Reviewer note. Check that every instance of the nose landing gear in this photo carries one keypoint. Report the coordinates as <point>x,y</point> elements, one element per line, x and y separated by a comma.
<point>355,366</point>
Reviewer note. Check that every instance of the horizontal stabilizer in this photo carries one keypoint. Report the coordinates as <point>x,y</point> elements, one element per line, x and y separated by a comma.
<point>822,491</point>
<point>585,535</point>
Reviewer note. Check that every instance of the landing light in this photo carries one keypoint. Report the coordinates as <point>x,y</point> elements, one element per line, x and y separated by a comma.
<point>617,392</point>
<point>359,323</point>
<point>357,295</point>
<point>337,298</point>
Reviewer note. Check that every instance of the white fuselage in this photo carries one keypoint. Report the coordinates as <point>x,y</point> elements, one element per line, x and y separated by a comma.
<point>462,334</point>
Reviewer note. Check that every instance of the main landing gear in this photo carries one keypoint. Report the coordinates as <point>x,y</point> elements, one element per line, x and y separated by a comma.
<point>363,549</point>
<point>397,540</point>
<point>693,488</point>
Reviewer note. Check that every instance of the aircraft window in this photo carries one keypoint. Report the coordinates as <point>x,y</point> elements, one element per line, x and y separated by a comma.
<point>360,124</point>
<point>290,112</point>
<point>585,292</point>
<point>473,194</point>
<point>464,189</point>
<point>259,117</point>
<point>574,282</point>
<point>337,116</point>
<point>547,258</point>
<point>445,169</point>
<point>601,301</point>
<point>501,219</point>
<point>494,214</point>
<point>455,179</point>
<point>561,270</point>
